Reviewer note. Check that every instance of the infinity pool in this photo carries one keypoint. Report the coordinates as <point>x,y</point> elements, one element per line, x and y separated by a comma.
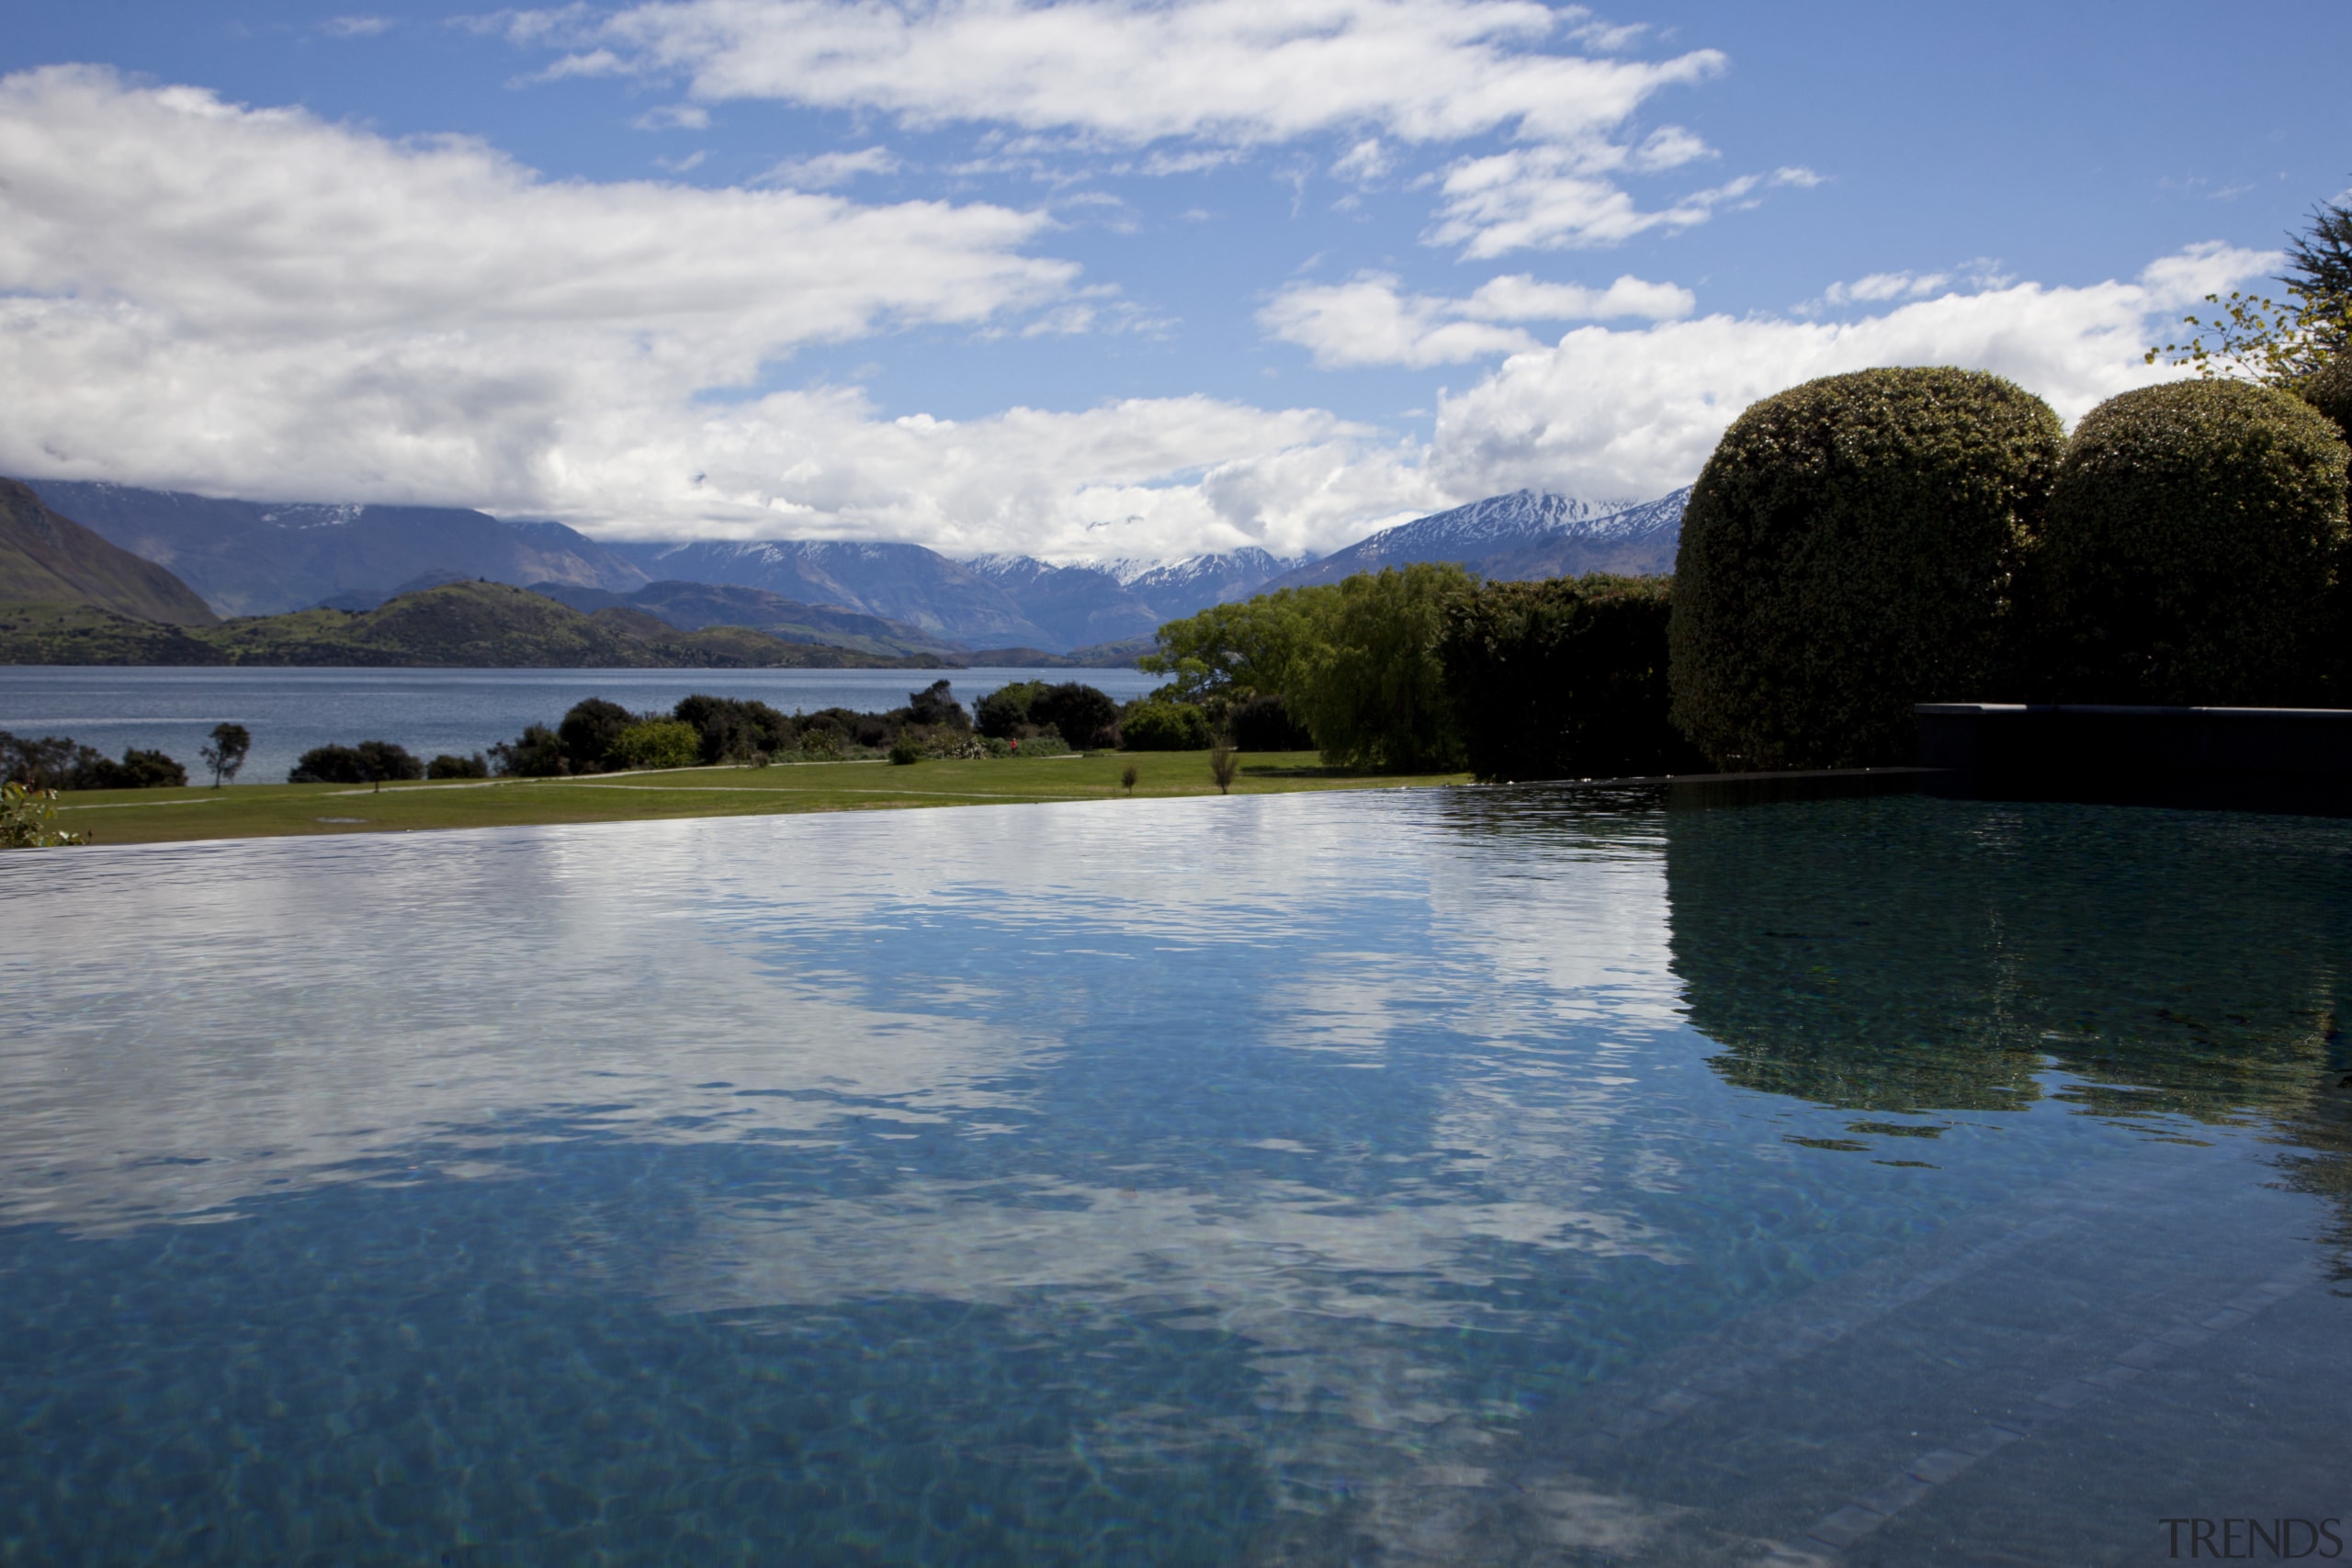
<point>1466,1177</point>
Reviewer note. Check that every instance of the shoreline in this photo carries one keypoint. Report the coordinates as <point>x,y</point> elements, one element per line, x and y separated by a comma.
<point>260,811</point>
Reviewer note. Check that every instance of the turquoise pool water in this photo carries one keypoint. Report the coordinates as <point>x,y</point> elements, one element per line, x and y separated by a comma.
<point>1453,1176</point>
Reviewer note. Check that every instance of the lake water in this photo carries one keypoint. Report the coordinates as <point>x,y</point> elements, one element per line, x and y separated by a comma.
<point>428,711</point>
<point>1461,1177</point>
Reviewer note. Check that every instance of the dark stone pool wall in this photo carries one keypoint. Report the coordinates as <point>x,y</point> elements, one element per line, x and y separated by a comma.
<point>2290,760</point>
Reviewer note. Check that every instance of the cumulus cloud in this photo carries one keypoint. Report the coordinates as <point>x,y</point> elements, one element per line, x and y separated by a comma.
<point>1226,72</point>
<point>1637,411</point>
<point>1369,321</point>
<point>252,301</point>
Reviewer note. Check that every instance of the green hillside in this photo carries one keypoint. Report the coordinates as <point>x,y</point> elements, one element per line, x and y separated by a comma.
<point>48,558</point>
<point>459,625</point>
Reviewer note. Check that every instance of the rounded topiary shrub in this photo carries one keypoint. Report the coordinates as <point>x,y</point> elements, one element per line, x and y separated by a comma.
<point>1849,550</point>
<point>2195,536</point>
<point>2329,389</point>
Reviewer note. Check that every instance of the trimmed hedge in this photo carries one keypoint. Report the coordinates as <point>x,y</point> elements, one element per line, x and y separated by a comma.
<point>2329,389</point>
<point>1563,679</point>
<point>2195,538</point>
<point>1849,550</point>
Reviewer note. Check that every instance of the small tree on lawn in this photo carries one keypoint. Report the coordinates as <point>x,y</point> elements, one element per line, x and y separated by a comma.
<point>227,752</point>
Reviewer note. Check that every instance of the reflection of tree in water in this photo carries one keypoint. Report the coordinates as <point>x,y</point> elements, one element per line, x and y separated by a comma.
<point>1914,954</point>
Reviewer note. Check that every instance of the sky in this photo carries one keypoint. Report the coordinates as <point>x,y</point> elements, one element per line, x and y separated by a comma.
<point>1093,280</point>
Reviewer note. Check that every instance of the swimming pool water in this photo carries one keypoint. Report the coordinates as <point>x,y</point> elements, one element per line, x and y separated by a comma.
<point>1477,1176</point>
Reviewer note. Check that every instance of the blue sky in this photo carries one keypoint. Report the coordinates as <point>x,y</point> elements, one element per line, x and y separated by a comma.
<point>1094,278</point>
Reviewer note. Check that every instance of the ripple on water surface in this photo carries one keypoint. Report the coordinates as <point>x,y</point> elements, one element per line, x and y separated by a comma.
<point>1484,1176</point>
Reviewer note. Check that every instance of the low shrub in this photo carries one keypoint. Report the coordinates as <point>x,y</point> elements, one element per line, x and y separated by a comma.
<point>1264,723</point>
<point>137,770</point>
<point>588,731</point>
<point>447,766</point>
<point>538,753</point>
<point>1563,679</point>
<point>735,729</point>
<point>370,761</point>
<point>2195,539</point>
<point>1150,725</point>
<point>905,750</point>
<point>657,743</point>
<point>1849,549</point>
<point>1080,714</point>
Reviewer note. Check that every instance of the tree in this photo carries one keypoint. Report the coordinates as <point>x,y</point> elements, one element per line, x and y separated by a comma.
<point>1256,647</point>
<point>1082,713</point>
<point>936,705</point>
<point>2252,337</point>
<point>1370,686</point>
<point>588,731</point>
<point>227,751</point>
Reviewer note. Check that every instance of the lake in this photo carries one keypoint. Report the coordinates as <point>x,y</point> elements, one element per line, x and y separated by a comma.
<point>428,711</point>
<point>1498,1176</point>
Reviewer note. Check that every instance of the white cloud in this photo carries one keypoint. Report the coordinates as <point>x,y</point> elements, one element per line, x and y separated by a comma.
<point>1367,321</point>
<point>1637,411</point>
<point>1232,73</point>
<point>243,301</point>
<point>673,116</point>
<point>1563,195</point>
<point>355,26</point>
<point>824,170</point>
<point>1363,164</point>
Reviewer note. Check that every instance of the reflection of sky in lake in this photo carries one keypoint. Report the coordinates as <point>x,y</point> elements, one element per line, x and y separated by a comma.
<point>1143,1181</point>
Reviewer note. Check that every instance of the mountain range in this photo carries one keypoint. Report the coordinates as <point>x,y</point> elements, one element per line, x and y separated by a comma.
<point>249,558</point>
<point>1527,534</point>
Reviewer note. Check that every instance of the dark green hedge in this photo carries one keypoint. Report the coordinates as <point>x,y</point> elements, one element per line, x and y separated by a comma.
<point>2195,535</point>
<point>1849,550</point>
<point>1563,679</point>
<point>2329,389</point>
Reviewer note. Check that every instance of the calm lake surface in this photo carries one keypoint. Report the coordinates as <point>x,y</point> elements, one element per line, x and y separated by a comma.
<point>1461,1177</point>
<point>428,711</point>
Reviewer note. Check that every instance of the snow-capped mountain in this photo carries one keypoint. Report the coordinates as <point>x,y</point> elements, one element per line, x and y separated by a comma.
<point>898,583</point>
<point>1208,578</point>
<point>1110,601</point>
<point>1515,535</point>
<point>1639,541</point>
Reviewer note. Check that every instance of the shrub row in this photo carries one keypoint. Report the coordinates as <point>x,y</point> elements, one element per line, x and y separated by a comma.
<point>1866,542</point>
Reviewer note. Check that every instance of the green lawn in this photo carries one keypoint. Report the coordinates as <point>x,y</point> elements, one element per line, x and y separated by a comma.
<point>254,811</point>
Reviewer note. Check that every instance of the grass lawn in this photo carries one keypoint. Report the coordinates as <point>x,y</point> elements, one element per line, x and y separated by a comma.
<point>258,811</point>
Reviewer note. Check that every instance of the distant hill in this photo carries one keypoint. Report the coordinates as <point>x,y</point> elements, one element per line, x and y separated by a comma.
<point>1120,655</point>
<point>1514,536</point>
<point>250,558</point>
<point>49,558</point>
<point>690,606</point>
<point>460,625</point>
<point>901,582</point>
